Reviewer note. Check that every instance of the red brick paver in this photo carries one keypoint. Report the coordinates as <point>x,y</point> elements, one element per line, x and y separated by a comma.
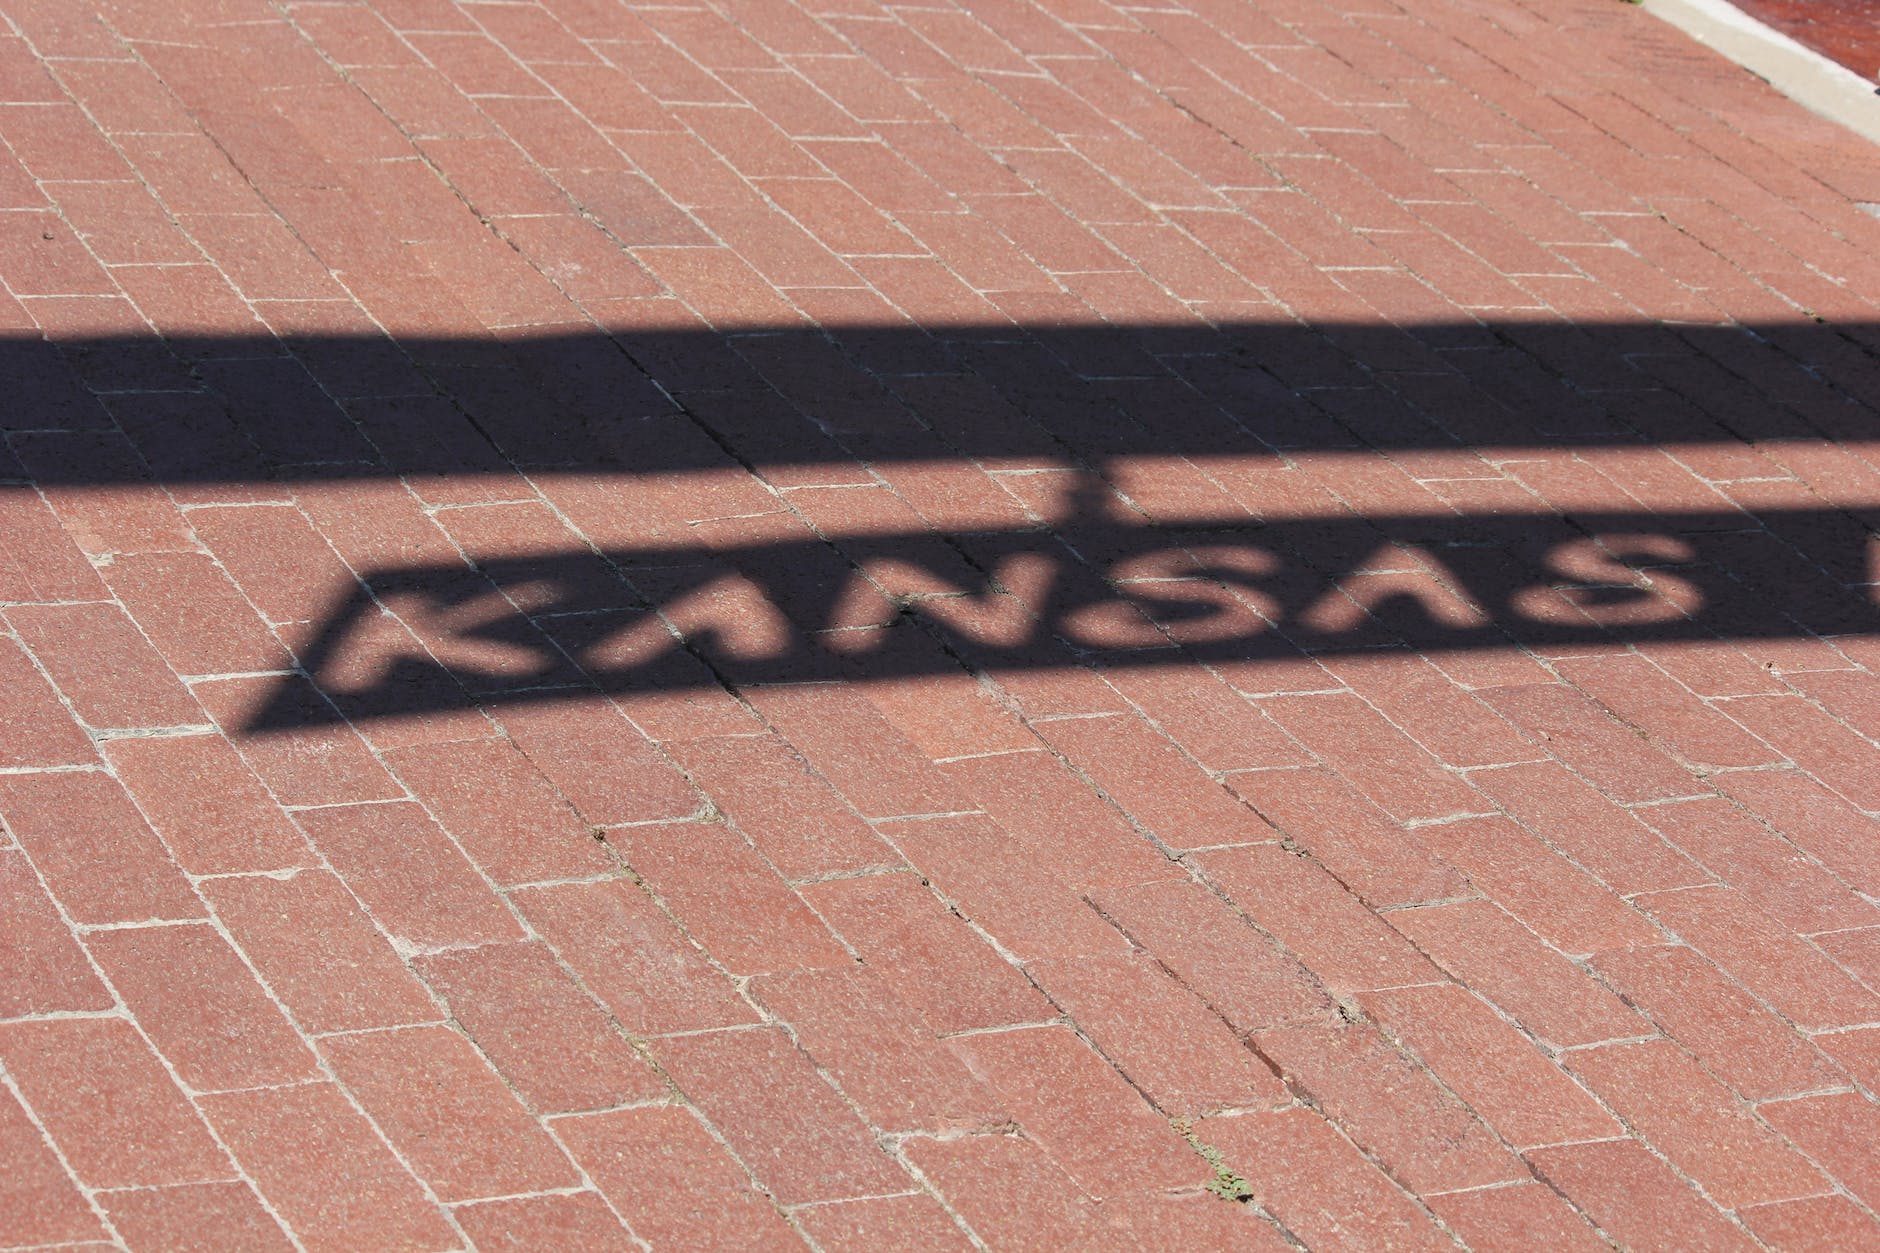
<point>1846,30</point>
<point>1003,624</point>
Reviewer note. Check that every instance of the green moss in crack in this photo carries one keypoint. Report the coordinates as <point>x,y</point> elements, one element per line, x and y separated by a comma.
<point>1226,1184</point>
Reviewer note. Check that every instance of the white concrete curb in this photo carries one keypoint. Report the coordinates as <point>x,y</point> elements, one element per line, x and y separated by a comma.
<point>1799,73</point>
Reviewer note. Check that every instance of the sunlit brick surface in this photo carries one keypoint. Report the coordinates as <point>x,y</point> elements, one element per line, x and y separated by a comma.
<point>1002,624</point>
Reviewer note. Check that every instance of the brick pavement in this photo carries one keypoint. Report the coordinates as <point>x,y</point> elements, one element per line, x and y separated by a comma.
<point>1006,624</point>
<point>1846,31</point>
